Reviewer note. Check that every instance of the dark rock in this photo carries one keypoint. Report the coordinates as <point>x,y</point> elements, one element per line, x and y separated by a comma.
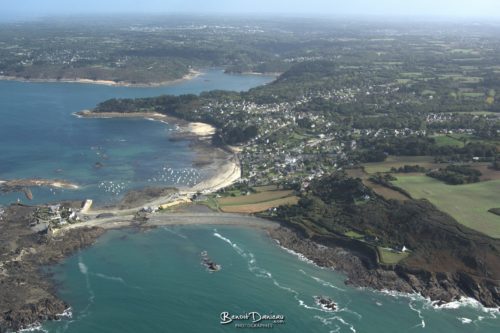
<point>438,286</point>
<point>27,294</point>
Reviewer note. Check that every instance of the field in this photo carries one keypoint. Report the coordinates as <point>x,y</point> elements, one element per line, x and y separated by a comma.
<point>468,204</point>
<point>390,257</point>
<point>259,207</point>
<point>377,188</point>
<point>448,140</point>
<point>386,192</point>
<point>399,161</point>
<point>265,198</point>
<point>254,198</point>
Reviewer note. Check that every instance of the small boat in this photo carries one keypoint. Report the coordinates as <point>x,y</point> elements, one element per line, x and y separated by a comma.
<point>208,263</point>
<point>326,303</point>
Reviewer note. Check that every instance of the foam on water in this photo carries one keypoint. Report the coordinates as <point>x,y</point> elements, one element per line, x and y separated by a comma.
<point>227,240</point>
<point>465,320</point>
<point>419,313</point>
<point>262,273</point>
<point>329,321</point>
<point>36,327</point>
<point>467,302</point>
<point>83,268</point>
<point>173,232</point>
<point>85,271</point>
<point>300,256</point>
<point>322,282</point>
<point>111,278</point>
<point>66,314</point>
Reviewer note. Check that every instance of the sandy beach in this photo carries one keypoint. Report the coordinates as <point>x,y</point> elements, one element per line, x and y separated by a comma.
<point>201,129</point>
<point>15,183</point>
<point>228,173</point>
<point>191,75</point>
<point>144,115</point>
<point>225,168</point>
<point>196,128</point>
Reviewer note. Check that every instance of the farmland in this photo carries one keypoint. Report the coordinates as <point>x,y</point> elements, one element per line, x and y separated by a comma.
<point>468,204</point>
<point>390,256</point>
<point>254,198</point>
<point>266,197</point>
<point>260,206</point>
<point>448,140</point>
<point>399,161</point>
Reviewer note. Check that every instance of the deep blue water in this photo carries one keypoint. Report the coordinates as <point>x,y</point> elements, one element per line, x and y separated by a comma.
<point>40,138</point>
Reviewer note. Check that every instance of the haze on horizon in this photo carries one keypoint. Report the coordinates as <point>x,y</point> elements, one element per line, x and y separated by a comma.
<point>27,9</point>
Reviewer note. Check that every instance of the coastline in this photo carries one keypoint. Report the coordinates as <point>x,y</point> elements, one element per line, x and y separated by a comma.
<point>275,74</point>
<point>196,128</point>
<point>56,183</point>
<point>226,172</point>
<point>361,270</point>
<point>189,76</point>
<point>224,167</point>
<point>440,291</point>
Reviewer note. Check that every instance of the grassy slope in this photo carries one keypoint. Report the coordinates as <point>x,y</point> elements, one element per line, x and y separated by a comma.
<point>399,161</point>
<point>468,204</point>
<point>254,198</point>
<point>260,207</point>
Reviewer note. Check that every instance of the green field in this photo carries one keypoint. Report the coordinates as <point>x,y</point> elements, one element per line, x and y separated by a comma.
<point>399,161</point>
<point>448,140</point>
<point>265,197</point>
<point>354,234</point>
<point>259,197</point>
<point>410,74</point>
<point>468,204</point>
<point>476,113</point>
<point>260,206</point>
<point>390,257</point>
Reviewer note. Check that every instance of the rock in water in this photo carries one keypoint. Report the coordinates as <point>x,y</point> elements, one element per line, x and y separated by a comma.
<point>27,193</point>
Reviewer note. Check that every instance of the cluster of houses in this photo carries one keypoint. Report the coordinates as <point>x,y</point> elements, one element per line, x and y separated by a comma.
<point>51,217</point>
<point>295,144</point>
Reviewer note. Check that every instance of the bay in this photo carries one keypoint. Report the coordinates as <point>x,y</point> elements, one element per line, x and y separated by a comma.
<point>41,138</point>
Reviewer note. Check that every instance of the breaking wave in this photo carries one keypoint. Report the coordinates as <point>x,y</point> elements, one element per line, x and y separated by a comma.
<point>322,282</point>
<point>262,273</point>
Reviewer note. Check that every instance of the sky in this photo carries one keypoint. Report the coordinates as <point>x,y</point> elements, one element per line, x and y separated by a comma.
<point>13,9</point>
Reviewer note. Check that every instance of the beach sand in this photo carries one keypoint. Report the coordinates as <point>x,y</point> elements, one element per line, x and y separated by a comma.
<point>15,183</point>
<point>227,174</point>
<point>196,128</point>
<point>201,129</point>
<point>224,167</point>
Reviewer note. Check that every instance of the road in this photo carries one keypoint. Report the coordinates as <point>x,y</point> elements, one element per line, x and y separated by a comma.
<point>159,219</point>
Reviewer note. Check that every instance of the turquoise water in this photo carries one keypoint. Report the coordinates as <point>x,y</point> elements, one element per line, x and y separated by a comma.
<point>154,282</point>
<point>40,138</point>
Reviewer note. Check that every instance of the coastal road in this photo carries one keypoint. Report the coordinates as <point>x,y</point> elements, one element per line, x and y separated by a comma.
<point>159,219</point>
<point>210,218</point>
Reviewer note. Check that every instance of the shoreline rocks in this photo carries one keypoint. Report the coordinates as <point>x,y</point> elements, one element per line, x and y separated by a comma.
<point>28,295</point>
<point>439,287</point>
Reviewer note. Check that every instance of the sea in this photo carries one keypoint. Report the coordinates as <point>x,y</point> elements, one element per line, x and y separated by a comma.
<point>41,138</point>
<point>154,280</point>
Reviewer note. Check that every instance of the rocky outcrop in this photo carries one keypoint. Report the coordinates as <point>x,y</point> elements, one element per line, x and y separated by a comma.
<point>49,308</point>
<point>442,287</point>
<point>27,294</point>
